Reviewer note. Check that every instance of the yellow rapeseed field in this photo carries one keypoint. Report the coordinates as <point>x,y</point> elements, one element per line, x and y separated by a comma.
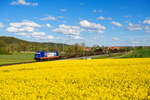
<point>109,79</point>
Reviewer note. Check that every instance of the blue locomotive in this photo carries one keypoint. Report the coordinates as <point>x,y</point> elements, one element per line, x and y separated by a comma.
<point>41,55</point>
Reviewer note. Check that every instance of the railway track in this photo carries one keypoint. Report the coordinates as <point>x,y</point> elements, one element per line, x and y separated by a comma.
<point>86,57</point>
<point>34,62</point>
<point>17,63</point>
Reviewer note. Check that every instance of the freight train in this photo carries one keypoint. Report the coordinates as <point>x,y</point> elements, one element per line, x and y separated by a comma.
<point>41,55</point>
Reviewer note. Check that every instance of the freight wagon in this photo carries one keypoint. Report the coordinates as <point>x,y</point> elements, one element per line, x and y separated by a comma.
<point>41,55</point>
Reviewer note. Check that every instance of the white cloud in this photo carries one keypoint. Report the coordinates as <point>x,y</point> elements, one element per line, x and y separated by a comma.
<point>97,11</point>
<point>37,34</point>
<point>147,21</point>
<point>134,27</point>
<point>103,18</point>
<point>48,25</point>
<point>22,29</point>
<point>76,37</point>
<point>35,4</point>
<point>25,23</point>
<point>12,29</point>
<point>70,30</point>
<point>116,23</point>
<point>147,29</point>
<point>27,29</point>
<point>16,24</point>
<point>1,25</point>
<point>92,27</point>
<point>63,10</point>
<point>100,18</point>
<point>41,35</point>
<point>21,34</point>
<point>48,18</point>
<point>74,31</point>
<point>24,26</point>
<point>50,37</point>
<point>116,39</point>
<point>23,2</point>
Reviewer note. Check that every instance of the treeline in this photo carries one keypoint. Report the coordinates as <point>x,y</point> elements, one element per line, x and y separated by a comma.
<point>9,45</point>
<point>78,50</point>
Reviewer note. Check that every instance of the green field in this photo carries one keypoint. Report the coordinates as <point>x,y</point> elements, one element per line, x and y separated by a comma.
<point>136,53</point>
<point>16,58</point>
<point>24,57</point>
<point>108,56</point>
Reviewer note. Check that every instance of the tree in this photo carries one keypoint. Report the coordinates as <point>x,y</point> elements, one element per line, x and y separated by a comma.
<point>24,46</point>
<point>82,50</point>
<point>77,49</point>
<point>3,48</point>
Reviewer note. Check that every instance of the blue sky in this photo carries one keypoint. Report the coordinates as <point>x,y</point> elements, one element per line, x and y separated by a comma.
<point>102,22</point>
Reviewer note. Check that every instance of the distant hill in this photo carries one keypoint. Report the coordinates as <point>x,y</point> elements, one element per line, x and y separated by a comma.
<point>10,40</point>
<point>15,44</point>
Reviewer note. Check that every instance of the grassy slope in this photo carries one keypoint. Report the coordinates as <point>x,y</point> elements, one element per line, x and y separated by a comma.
<point>108,56</point>
<point>140,53</point>
<point>15,58</point>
